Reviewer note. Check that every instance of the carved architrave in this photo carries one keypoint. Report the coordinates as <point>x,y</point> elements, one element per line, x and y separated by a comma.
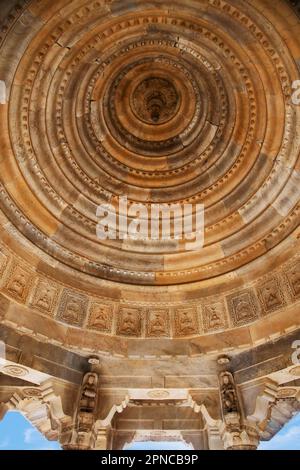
<point>43,408</point>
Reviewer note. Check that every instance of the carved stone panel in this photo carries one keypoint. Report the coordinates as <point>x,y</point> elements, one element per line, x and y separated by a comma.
<point>293,278</point>
<point>243,308</point>
<point>3,262</point>
<point>45,296</point>
<point>129,321</point>
<point>186,322</point>
<point>101,317</point>
<point>158,322</point>
<point>270,295</point>
<point>214,317</point>
<point>18,283</point>
<point>72,308</point>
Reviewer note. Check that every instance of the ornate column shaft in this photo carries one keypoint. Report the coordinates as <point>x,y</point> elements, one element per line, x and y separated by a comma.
<point>236,433</point>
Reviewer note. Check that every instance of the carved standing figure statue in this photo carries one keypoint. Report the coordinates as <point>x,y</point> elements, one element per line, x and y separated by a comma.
<point>88,394</point>
<point>228,393</point>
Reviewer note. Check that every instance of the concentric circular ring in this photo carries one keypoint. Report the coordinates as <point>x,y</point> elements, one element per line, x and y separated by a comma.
<point>169,104</point>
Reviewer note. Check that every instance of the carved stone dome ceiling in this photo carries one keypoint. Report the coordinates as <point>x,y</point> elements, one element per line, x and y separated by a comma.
<point>164,102</point>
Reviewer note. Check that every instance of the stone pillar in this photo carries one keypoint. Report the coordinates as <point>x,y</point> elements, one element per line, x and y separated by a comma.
<point>121,438</point>
<point>83,435</point>
<point>214,439</point>
<point>236,433</point>
<point>102,440</point>
<point>3,410</point>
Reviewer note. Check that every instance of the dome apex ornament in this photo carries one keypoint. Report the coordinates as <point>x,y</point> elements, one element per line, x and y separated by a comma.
<point>155,100</point>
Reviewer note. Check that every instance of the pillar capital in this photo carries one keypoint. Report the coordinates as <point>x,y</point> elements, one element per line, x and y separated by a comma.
<point>241,437</point>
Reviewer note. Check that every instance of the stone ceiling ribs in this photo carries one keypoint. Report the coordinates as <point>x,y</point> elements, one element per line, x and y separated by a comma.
<point>129,105</point>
